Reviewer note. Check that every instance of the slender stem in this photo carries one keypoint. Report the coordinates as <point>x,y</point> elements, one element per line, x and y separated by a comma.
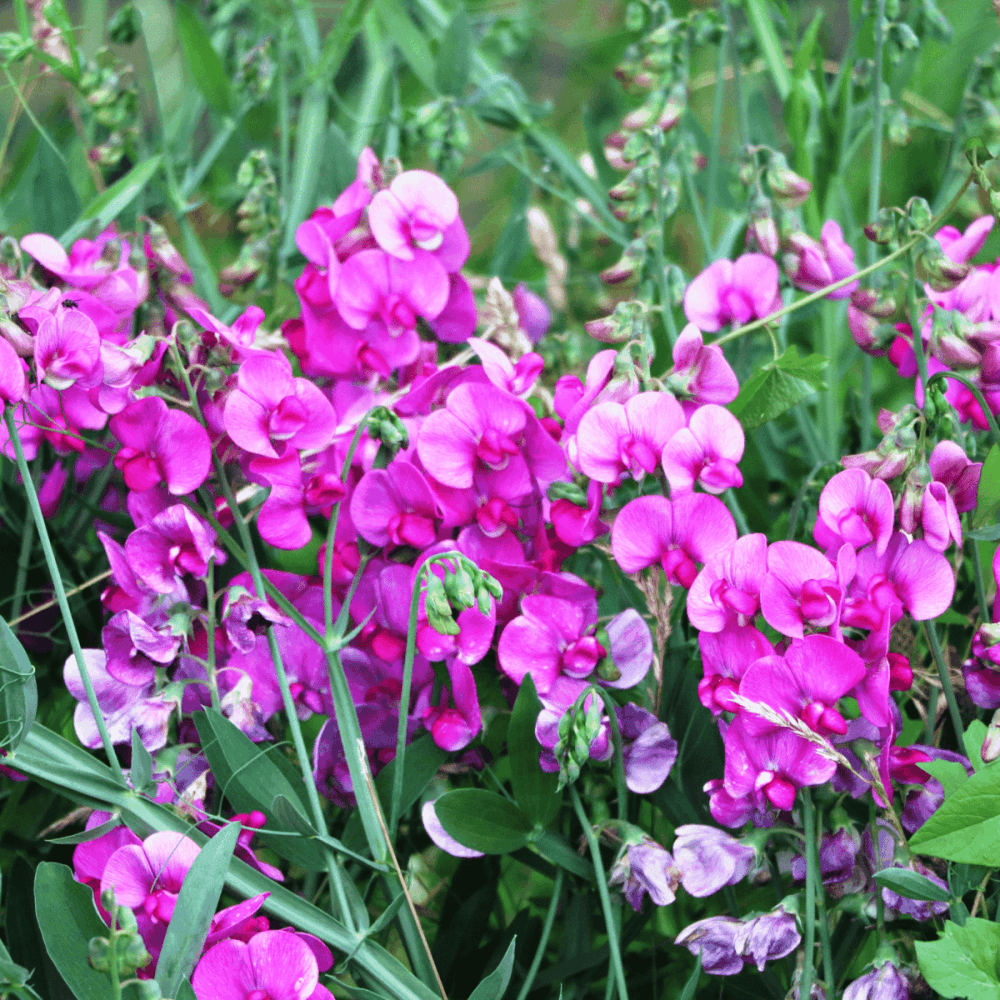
<point>616,739</point>
<point>602,888</point>
<point>915,325</point>
<point>977,392</point>
<point>809,917</point>
<point>741,104</point>
<point>949,692</point>
<point>821,913</point>
<point>715,140</point>
<point>733,503</point>
<point>659,250</point>
<point>23,560</point>
<point>57,585</point>
<point>776,881</point>
<point>980,579</point>
<point>550,918</point>
<point>875,172</point>
<point>69,593</point>
<point>699,215</point>
<point>213,681</point>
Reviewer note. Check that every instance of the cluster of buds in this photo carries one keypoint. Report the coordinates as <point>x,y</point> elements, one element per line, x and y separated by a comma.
<point>123,950</point>
<point>108,88</point>
<point>259,216</point>
<point>440,128</point>
<point>458,586</point>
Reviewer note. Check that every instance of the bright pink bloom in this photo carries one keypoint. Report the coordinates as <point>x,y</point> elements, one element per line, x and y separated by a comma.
<point>69,411</point>
<point>517,379</point>
<point>533,314</point>
<point>802,588</point>
<point>812,266</point>
<point>68,350</point>
<point>91,857</point>
<point>938,518</point>
<point>488,437</point>
<point>272,965</point>
<point>725,658</point>
<point>418,212</point>
<point>455,727</point>
<point>773,766</point>
<point>676,533</point>
<point>135,649</point>
<point>951,466</point>
<point>806,683</point>
<point>706,452</point>
<point>271,411</point>
<point>733,292</point>
<point>395,506</point>
<point>613,439</point>
<point>175,542</point>
<point>702,373</point>
<point>577,525</point>
<point>962,247</point>
<point>457,321</point>
<point>856,509</point>
<point>727,590</point>
<point>908,577</point>
<point>160,445</point>
<point>13,385</point>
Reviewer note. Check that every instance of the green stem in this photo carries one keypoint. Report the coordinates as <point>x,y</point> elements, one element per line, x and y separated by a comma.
<point>977,392</point>
<point>24,559</point>
<point>809,917</point>
<point>741,103</point>
<point>949,692</point>
<point>875,172</point>
<point>715,140</point>
<point>821,913</point>
<point>915,325</point>
<point>733,503</point>
<point>980,580</point>
<point>602,888</point>
<point>550,918</point>
<point>57,585</point>
<point>616,739</point>
<point>213,681</point>
<point>699,215</point>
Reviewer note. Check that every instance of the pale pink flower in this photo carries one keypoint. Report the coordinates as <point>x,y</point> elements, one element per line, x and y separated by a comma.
<point>733,292</point>
<point>706,452</point>
<point>516,378</point>
<point>68,350</point>
<point>727,590</point>
<point>962,247</point>
<point>803,588</point>
<point>701,372</point>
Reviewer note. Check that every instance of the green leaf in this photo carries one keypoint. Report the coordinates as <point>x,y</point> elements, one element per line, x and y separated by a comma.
<point>534,789</point>
<point>18,690</point>
<point>556,848</point>
<point>988,499</point>
<point>409,40</point>
<point>967,825</point>
<point>805,52</point>
<point>777,387</point>
<point>142,764</point>
<point>68,920</point>
<point>340,37</point>
<point>483,820</point>
<point>952,617</point>
<point>455,56</point>
<point>106,207</point>
<point>950,773</point>
<point>990,534</point>
<point>421,763</point>
<point>493,986</point>
<point>911,884</point>
<point>963,961</point>
<point>762,24</point>
<point>692,984</point>
<point>196,904</point>
<point>207,71</point>
<point>88,835</point>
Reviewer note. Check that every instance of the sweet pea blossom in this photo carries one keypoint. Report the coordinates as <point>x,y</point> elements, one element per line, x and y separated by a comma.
<point>813,265</point>
<point>533,314</point>
<point>732,292</point>
<point>727,590</point>
<point>705,453</point>
<point>701,373</point>
<point>726,656</point>
<point>160,445</point>
<point>710,858</point>
<point>714,939</point>
<point>173,543</point>
<point>645,867</point>
<point>613,439</point>
<point>13,385</point>
<point>395,506</point>
<point>802,588</point>
<point>134,648</point>
<point>950,466</point>
<point>856,509</point>
<point>516,378</point>
<point>962,247</point>
<point>68,350</point>
<point>676,533</point>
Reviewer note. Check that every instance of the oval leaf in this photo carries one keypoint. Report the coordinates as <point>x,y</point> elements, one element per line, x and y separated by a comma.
<point>912,885</point>
<point>196,903</point>
<point>534,789</point>
<point>777,387</point>
<point>493,986</point>
<point>987,511</point>
<point>963,961</point>
<point>483,820</point>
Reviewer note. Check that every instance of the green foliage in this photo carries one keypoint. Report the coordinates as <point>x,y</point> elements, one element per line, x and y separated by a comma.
<point>911,884</point>
<point>534,789</point>
<point>484,821</point>
<point>963,961</point>
<point>988,500</point>
<point>777,387</point>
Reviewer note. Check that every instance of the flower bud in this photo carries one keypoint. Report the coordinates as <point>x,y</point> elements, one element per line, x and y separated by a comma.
<point>885,228</point>
<point>436,599</point>
<point>629,264</point>
<point>567,491</point>
<point>764,231</point>
<point>911,500</point>
<point>620,326</point>
<point>883,982</point>
<point>788,188</point>
<point>991,741</point>
<point>533,314</point>
<point>459,588</point>
<point>99,954</point>
<point>900,672</point>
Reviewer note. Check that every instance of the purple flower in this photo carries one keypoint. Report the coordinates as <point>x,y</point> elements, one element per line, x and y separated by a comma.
<point>715,940</point>
<point>135,648</point>
<point>13,385</point>
<point>68,350</point>
<point>533,314</point>
<point>812,266</point>
<point>763,939</point>
<point>273,964</point>
<point>646,867</point>
<point>962,247</point>
<point>517,379</point>
<point>710,859</point>
<point>395,506</point>
<point>648,749</point>
<point>175,542</point>
<point>951,466</point>
<point>885,981</point>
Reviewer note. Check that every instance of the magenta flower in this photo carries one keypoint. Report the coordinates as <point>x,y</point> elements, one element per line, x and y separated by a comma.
<point>160,445</point>
<point>950,466</point>
<point>706,452</point>
<point>812,266</point>
<point>13,385</point>
<point>806,683</point>
<point>725,657</point>
<point>908,577</point>
<point>175,542</point>
<point>727,590</point>
<point>135,649</point>
<point>417,212</point>
<point>962,247</point>
<point>454,726</point>
<point>713,939</point>
<point>517,379</point>
<point>675,533</point>
<point>487,436</point>
<point>733,292</point>
<point>772,766</point>
<point>271,411</point>
<point>938,518</point>
<point>710,858</point>
<point>124,706</point>
<point>613,439</point>
<point>645,867</point>
<point>856,509</point>
<point>395,506</point>
<point>702,373</point>
<point>577,525</point>
<point>802,588</point>
<point>375,286</point>
<point>272,965</point>
<point>91,857</point>
<point>533,314</point>
<point>68,350</point>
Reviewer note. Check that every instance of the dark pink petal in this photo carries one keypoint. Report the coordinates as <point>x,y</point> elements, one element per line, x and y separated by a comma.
<point>224,973</point>
<point>457,320</point>
<point>526,646</point>
<point>599,438</point>
<point>703,297</point>
<point>284,967</point>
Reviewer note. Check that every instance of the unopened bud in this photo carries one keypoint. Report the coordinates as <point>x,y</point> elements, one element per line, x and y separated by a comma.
<point>493,586</point>
<point>764,232</point>
<point>607,670</point>
<point>991,742</point>
<point>788,188</point>
<point>108,899</point>
<point>885,228</point>
<point>459,588</point>
<point>435,598</point>
<point>629,264</point>
<point>567,491</point>
<point>99,954</point>
<point>442,624</point>
<point>627,189</point>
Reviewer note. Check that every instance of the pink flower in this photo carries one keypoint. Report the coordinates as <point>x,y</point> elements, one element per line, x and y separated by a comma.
<point>676,533</point>
<point>271,410</point>
<point>13,386</point>
<point>395,506</point>
<point>517,379</point>
<point>706,452</point>
<point>939,518</point>
<point>962,247</point>
<point>806,683</point>
<point>577,525</point>
<point>856,509</point>
<point>802,588</point>
<point>272,965</point>
<point>613,439</point>
<point>457,321</point>
<point>160,445</point>
<point>418,212</point>
<point>68,350</point>
<point>732,292</point>
<point>908,577</point>
<point>455,726</point>
<point>727,590</point>
<point>725,658</point>
<point>813,266</point>
<point>134,648</point>
<point>950,466</point>
<point>174,542</point>
<point>701,372</point>
<point>487,436</point>
<point>533,314</point>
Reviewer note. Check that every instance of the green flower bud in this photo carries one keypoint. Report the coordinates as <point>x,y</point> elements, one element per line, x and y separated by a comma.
<point>99,954</point>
